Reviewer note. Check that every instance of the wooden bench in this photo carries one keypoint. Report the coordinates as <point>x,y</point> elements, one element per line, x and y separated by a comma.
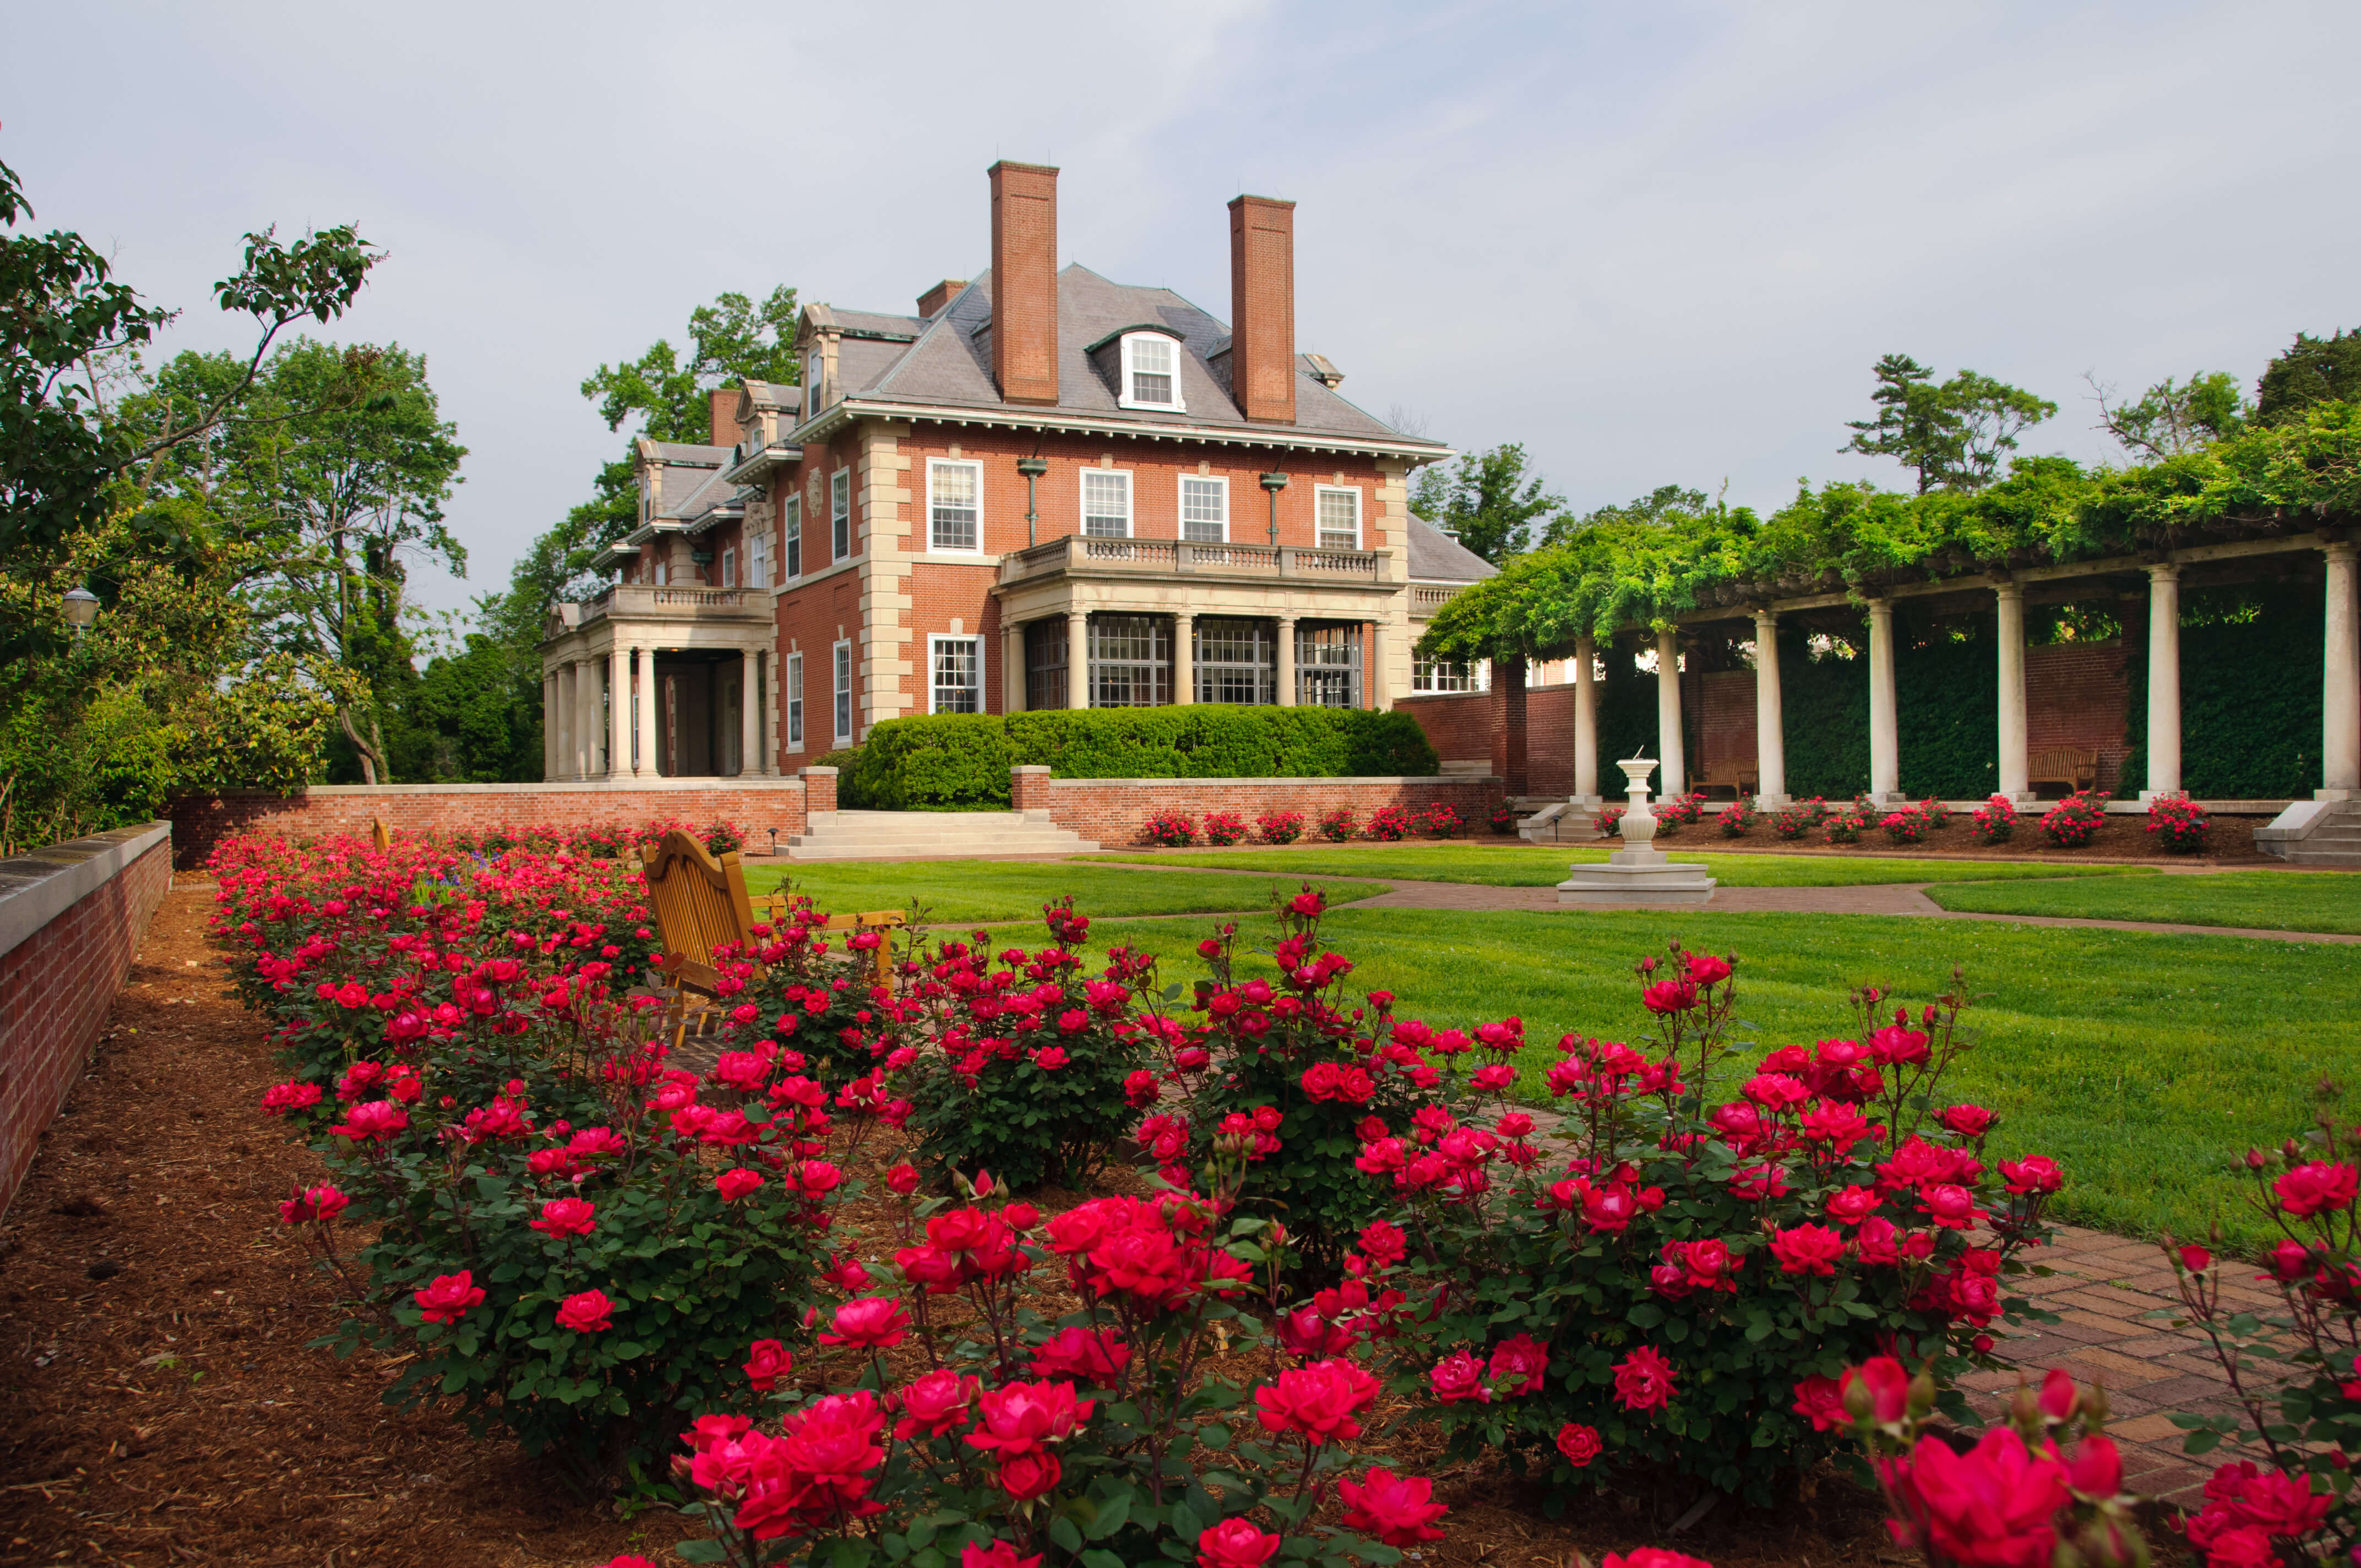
<point>699,903</point>
<point>380,835</point>
<point>2071,768</point>
<point>775,911</point>
<point>1741,779</point>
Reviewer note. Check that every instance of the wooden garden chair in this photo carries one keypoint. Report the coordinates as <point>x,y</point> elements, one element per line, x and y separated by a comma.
<point>699,903</point>
<point>380,835</point>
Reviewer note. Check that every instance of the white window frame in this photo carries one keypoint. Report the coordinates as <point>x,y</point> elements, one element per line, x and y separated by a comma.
<point>1180,504</point>
<point>663,573</point>
<point>791,533</point>
<point>839,516</point>
<point>813,366</point>
<point>936,466</point>
<point>758,558</point>
<point>729,567</point>
<point>1129,346</point>
<point>1320,529</point>
<point>795,702</point>
<point>1082,500</point>
<point>934,642</point>
<point>841,707</point>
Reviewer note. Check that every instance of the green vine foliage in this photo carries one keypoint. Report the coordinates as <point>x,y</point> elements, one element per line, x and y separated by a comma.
<point>1824,699</point>
<point>1947,697</point>
<point>2250,693</point>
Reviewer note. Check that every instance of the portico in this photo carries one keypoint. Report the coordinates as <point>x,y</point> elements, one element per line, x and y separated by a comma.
<point>659,681</point>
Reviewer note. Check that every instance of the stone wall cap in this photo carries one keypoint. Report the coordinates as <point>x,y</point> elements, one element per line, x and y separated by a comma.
<point>1030,768</point>
<point>555,786</point>
<point>1368,779</point>
<point>815,772</point>
<point>38,886</point>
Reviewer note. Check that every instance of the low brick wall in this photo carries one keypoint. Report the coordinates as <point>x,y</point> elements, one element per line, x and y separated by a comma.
<point>756,805</point>
<point>1115,811</point>
<point>70,918</point>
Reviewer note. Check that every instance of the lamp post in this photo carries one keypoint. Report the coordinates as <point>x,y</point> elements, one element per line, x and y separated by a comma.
<point>1032,468</point>
<point>81,607</point>
<point>1272,484</point>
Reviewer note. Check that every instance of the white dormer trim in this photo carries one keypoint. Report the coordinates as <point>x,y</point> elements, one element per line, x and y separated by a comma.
<point>1156,349</point>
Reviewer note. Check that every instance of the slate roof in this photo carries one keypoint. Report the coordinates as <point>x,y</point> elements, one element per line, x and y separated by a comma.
<point>950,363</point>
<point>1436,558</point>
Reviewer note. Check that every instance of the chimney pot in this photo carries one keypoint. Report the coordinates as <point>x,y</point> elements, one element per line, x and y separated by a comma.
<point>1025,281</point>
<point>725,416</point>
<point>1262,308</point>
<point>931,302</point>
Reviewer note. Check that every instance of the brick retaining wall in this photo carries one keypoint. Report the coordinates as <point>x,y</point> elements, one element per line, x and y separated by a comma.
<point>1115,811</point>
<point>71,919</point>
<point>756,805</point>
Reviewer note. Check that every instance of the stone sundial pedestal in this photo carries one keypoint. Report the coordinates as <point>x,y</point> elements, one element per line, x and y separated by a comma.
<point>1639,872</point>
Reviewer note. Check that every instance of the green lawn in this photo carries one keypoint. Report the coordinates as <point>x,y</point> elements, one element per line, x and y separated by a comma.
<point>1541,865</point>
<point>2265,900</point>
<point>2144,1064</point>
<point>962,891</point>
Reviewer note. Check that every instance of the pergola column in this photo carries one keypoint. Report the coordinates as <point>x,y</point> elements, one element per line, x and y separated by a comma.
<point>2340,728</point>
<point>2014,760</point>
<point>1286,693</point>
<point>749,715</point>
<point>1586,724</point>
<point>2163,681</point>
<point>586,718</point>
<point>1673,771</point>
<point>1884,746</point>
<point>565,717</point>
<point>644,715</point>
<point>618,711</point>
<point>1012,668</point>
<point>1184,657</point>
<point>1078,659</point>
<point>1770,719</point>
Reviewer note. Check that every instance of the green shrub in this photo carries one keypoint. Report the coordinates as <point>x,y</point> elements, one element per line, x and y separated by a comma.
<point>945,759</point>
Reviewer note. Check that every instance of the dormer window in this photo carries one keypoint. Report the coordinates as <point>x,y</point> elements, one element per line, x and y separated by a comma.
<point>1151,372</point>
<point>811,382</point>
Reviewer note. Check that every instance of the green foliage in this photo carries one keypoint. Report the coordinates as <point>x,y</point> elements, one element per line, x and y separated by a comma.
<point>1953,433</point>
<point>1947,691</point>
<point>1825,701</point>
<point>941,759</point>
<point>2168,420</point>
<point>2250,693</point>
<point>733,339</point>
<point>2314,371</point>
<point>1486,501</point>
<point>472,717</point>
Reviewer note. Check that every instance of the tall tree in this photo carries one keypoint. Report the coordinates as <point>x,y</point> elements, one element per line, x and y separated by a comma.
<point>1665,504</point>
<point>1485,500</point>
<point>2312,371</point>
<point>1953,433</point>
<point>2171,418</point>
<point>731,339</point>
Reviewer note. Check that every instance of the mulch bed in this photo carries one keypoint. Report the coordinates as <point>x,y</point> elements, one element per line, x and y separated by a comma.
<point>163,1407</point>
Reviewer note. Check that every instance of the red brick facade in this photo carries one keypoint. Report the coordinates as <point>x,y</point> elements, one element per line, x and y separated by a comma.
<point>2075,695</point>
<point>1115,811</point>
<point>58,980</point>
<point>755,804</point>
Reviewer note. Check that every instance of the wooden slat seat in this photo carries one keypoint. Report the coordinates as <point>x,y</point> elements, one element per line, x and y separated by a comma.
<point>2071,768</point>
<point>699,903</point>
<point>1739,778</point>
<point>380,835</point>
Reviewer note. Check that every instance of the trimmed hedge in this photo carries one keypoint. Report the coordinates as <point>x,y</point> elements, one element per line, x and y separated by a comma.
<point>963,759</point>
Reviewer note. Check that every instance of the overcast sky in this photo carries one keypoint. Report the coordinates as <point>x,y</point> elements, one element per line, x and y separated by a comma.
<point>1655,242</point>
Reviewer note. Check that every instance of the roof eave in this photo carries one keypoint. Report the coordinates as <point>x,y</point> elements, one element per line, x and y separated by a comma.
<point>1286,437</point>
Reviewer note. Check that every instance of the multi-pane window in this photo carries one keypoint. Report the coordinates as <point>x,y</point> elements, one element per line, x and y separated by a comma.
<point>1152,369</point>
<point>811,383</point>
<point>1328,664</point>
<point>758,560</point>
<point>844,694</point>
<point>839,514</point>
<point>792,525</point>
<point>730,568</point>
<point>954,506</point>
<point>1106,503</point>
<point>1446,674</point>
<point>1237,661</point>
<point>1204,510</point>
<point>958,674</point>
<point>795,702</point>
<point>1045,664</point>
<point>1340,517</point>
<point>1131,661</point>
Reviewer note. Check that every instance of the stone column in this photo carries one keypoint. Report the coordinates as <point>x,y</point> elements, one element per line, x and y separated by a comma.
<point>2163,681</point>
<point>1885,748</point>
<point>1669,750</point>
<point>749,717</point>
<point>1373,668</point>
<point>549,751</point>
<point>644,715</point>
<point>1078,659</point>
<point>563,718</point>
<point>1770,717</point>
<point>1286,693</point>
<point>1184,657</point>
<point>2340,729</point>
<point>1012,668</point>
<point>2016,764</point>
<point>1586,724</point>
<point>618,711</point>
<point>586,718</point>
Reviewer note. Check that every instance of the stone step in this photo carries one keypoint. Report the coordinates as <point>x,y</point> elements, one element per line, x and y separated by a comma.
<point>2324,857</point>
<point>910,835</point>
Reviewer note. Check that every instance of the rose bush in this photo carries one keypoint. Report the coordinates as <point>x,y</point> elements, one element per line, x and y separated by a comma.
<point>1796,821</point>
<point>1280,827</point>
<point>1170,830</point>
<point>2073,821</point>
<point>2180,825</point>
<point>1993,822</point>
<point>1736,820</point>
<point>1339,825</point>
<point>1388,824</point>
<point>1224,828</point>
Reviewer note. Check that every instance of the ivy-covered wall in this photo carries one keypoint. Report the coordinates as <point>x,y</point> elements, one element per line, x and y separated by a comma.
<point>1946,699</point>
<point>2251,682</point>
<point>1825,703</point>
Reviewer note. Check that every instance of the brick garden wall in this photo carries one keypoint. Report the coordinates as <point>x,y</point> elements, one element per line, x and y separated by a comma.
<point>755,804</point>
<point>2075,695</point>
<point>73,918</point>
<point>1115,811</point>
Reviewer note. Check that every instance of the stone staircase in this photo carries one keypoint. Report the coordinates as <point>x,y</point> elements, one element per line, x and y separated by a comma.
<point>1553,819</point>
<point>921,835</point>
<point>2332,837</point>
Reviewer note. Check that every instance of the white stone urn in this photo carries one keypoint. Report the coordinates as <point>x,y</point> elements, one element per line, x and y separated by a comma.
<point>1639,823</point>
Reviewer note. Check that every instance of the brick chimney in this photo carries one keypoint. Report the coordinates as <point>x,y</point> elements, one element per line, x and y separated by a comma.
<point>725,416</point>
<point>931,302</point>
<point>1025,281</point>
<point>1262,308</point>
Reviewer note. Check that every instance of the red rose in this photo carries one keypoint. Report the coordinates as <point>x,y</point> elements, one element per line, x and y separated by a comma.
<point>1398,1512</point>
<point>1318,1401</point>
<point>1519,1365</point>
<point>1099,1355</point>
<point>1580,1444</point>
<point>1968,1121</point>
<point>1459,1376</point>
<point>903,1179</point>
<point>1888,1386</point>
<point>1025,1477</point>
<point>872,1323</point>
<point>736,1183</point>
<point>1655,1557</point>
<point>934,1404</point>
<point>1820,1401</point>
<point>1991,1506</point>
<point>1807,1249</point>
<point>999,1555</point>
<point>767,1361</point>
<point>2317,1187</point>
<point>586,1311</point>
<point>1643,1380</point>
<point>446,1301</point>
<point>1236,1544</point>
<point>2037,1173</point>
<point>1020,1418</point>
<point>563,1217</point>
